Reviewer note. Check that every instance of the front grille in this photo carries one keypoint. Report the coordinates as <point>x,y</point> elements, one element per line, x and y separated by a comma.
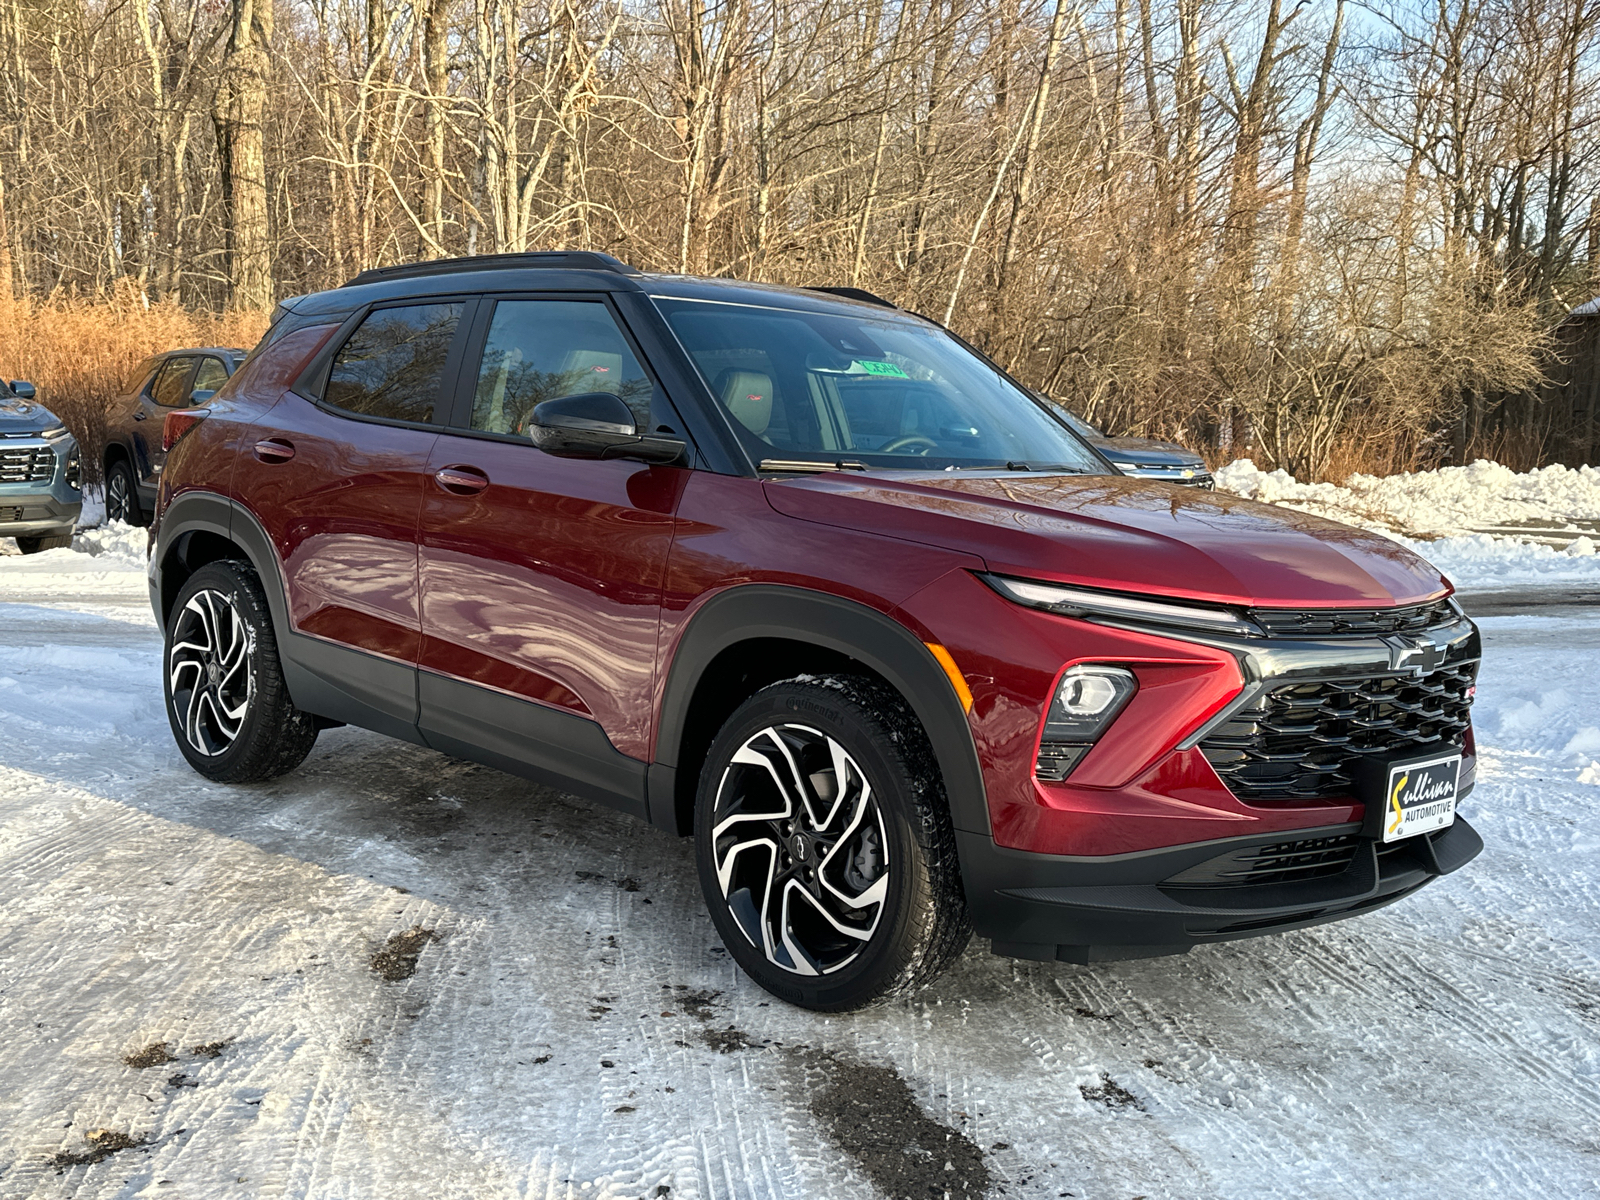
<point>1281,862</point>
<point>27,464</point>
<point>1343,622</point>
<point>1301,741</point>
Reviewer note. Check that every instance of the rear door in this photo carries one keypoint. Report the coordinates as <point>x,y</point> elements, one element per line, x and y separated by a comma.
<point>337,480</point>
<point>541,576</point>
<point>168,389</point>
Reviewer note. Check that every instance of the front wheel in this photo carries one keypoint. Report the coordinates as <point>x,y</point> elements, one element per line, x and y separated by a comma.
<point>825,847</point>
<point>226,700</point>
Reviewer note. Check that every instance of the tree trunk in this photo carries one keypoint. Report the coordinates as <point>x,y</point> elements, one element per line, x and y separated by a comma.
<point>240,102</point>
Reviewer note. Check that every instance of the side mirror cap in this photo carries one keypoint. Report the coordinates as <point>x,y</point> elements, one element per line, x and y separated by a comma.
<point>597,425</point>
<point>201,396</point>
<point>22,389</point>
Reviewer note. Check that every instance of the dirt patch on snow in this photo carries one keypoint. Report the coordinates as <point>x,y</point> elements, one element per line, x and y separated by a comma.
<point>153,1055</point>
<point>211,1049</point>
<point>398,958</point>
<point>726,1041</point>
<point>103,1143</point>
<point>1110,1093</point>
<point>870,1114</point>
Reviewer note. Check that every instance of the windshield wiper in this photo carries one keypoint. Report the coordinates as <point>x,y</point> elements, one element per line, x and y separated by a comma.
<point>792,464</point>
<point>1054,468</point>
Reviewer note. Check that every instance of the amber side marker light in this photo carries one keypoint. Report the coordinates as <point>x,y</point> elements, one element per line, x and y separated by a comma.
<point>957,680</point>
<point>176,424</point>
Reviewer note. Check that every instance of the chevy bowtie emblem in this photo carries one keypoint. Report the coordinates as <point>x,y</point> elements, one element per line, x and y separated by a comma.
<point>1419,655</point>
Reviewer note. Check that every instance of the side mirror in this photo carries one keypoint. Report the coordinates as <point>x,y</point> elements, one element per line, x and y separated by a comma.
<point>597,425</point>
<point>201,396</point>
<point>22,389</point>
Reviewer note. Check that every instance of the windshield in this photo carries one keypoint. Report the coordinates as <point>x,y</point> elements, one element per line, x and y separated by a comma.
<point>889,391</point>
<point>1081,427</point>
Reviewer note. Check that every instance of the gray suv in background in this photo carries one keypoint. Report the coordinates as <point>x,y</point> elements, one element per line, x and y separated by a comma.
<point>40,473</point>
<point>133,454</point>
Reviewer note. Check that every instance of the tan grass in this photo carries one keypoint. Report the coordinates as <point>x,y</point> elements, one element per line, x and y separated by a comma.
<point>79,353</point>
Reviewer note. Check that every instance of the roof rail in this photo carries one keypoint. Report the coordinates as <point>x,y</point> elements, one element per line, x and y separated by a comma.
<point>855,293</point>
<point>572,260</point>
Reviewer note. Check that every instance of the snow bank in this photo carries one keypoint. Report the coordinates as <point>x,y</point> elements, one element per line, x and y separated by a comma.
<point>1451,500</point>
<point>106,565</point>
<point>1445,516</point>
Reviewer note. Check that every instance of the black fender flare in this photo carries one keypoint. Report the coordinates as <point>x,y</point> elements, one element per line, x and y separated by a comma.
<point>193,512</point>
<point>870,637</point>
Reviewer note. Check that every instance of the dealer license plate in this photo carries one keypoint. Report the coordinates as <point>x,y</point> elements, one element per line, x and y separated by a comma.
<point>1421,796</point>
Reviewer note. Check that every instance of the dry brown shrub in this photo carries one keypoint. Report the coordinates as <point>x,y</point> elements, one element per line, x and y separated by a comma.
<point>78,353</point>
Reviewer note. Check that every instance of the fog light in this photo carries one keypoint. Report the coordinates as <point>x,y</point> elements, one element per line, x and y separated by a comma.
<point>1086,701</point>
<point>74,472</point>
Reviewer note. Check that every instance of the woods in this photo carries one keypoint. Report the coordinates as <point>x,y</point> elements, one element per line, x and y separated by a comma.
<point>1323,234</point>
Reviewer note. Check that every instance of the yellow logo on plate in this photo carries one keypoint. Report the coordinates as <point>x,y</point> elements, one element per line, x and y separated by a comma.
<point>1394,803</point>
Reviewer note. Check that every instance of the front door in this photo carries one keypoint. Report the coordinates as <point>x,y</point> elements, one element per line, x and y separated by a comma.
<point>541,577</point>
<point>337,482</point>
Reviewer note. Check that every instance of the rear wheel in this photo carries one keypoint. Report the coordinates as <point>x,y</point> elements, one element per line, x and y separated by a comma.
<point>122,497</point>
<point>226,701</point>
<point>825,847</point>
<point>44,541</point>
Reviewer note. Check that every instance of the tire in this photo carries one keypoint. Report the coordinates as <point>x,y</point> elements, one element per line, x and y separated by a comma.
<point>226,702</point>
<point>122,495</point>
<point>875,859</point>
<point>44,541</point>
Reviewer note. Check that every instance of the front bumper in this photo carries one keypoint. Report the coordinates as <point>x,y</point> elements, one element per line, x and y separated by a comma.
<point>1056,909</point>
<point>30,514</point>
<point>38,505</point>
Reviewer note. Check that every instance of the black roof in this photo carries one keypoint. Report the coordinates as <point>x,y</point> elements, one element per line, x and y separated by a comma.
<point>565,271</point>
<point>581,260</point>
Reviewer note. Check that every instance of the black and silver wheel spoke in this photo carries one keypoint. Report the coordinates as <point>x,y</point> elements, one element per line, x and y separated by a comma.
<point>117,496</point>
<point>209,674</point>
<point>800,849</point>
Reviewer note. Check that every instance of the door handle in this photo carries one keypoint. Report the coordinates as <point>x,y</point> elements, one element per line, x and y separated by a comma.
<point>461,480</point>
<point>274,450</point>
<point>140,415</point>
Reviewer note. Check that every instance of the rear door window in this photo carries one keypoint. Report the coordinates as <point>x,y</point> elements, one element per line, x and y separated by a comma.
<point>539,350</point>
<point>393,365</point>
<point>170,388</point>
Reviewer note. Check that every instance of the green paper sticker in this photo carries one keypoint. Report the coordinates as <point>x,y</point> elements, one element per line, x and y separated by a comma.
<point>887,369</point>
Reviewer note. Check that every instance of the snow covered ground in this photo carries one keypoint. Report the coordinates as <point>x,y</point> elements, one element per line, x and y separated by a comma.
<point>564,1022</point>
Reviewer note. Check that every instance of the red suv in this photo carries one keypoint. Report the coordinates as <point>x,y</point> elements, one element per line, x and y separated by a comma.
<point>808,578</point>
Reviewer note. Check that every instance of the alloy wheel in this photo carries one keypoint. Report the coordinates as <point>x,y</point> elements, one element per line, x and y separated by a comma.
<point>118,501</point>
<point>208,672</point>
<point>801,852</point>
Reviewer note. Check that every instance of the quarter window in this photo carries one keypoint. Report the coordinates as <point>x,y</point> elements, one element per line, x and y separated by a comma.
<point>210,376</point>
<point>393,364</point>
<point>539,350</point>
<point>169,389</point>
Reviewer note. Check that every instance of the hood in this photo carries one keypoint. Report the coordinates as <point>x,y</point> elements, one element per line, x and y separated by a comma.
<point>24,416</point>
<point>1124,534</point>
<point>1149,451</point>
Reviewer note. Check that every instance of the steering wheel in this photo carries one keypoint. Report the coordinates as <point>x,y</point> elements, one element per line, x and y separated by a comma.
<point>907,441</point>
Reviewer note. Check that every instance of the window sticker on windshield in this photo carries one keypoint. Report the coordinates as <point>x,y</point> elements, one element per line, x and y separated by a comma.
<point>872,367</point>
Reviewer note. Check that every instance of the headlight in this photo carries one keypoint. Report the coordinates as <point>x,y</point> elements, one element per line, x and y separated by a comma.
<point>1086,701</point>
<point>1080,602</point>
<point>74,473</point>
<point>1122,466</point>
<point>55,433</point>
